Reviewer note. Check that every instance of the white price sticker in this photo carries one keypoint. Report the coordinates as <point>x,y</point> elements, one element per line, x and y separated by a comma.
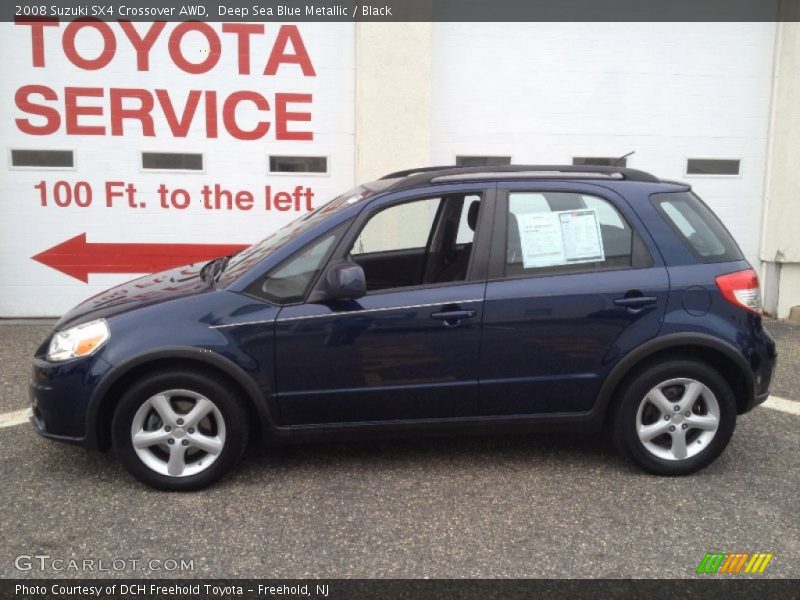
<point>559,238</point>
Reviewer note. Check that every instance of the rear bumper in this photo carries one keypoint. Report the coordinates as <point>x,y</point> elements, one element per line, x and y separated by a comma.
<point>763,358</point>
<point>759,399</point>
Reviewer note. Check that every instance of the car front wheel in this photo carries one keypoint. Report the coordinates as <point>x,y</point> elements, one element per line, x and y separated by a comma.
<point>675,418</point>
<point>179,431</point>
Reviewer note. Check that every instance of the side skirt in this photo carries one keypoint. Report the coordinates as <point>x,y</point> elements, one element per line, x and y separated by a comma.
<point>579,423</point>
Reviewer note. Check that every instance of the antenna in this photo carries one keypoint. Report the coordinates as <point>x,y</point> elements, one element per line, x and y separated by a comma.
<point>616,162</point>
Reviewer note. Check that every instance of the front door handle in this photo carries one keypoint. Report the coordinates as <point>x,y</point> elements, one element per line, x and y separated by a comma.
<point>635,301</point>
<point>453,317</point>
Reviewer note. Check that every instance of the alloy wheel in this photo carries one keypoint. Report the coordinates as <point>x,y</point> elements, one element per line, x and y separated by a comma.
<point>677,419</point>
<point>178,433</point>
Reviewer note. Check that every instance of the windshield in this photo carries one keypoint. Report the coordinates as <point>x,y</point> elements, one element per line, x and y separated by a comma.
<point>243,260</point>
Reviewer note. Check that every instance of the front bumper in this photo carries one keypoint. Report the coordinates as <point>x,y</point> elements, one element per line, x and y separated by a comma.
<point>40,427</point>
<point>59,394</point>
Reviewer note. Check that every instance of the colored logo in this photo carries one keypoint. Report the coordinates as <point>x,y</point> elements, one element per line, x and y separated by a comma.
<point>734,562</point>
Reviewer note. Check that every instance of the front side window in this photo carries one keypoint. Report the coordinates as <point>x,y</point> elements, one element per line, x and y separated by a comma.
<point>550,233</point>
<point>243,261</point>
<point>289,282</point>
<point>469,217</point>
<point>402,227</point>
<point>424,241</point>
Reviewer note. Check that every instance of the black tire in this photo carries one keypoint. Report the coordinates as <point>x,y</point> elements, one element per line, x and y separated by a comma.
<point>625,419</point>
<point>227,405</point>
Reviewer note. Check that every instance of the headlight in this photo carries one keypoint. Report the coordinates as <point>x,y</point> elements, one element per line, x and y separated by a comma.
<point>77,341</point>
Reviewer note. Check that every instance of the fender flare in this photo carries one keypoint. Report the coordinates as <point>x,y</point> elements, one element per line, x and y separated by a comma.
<point>665,342</point>
<point>255,397</point>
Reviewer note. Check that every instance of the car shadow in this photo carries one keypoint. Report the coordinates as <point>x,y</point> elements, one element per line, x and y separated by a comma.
<point>514,452</point>
<point>408,456</point>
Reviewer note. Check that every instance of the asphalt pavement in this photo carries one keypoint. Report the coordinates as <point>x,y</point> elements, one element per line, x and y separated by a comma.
<point>510,506</point>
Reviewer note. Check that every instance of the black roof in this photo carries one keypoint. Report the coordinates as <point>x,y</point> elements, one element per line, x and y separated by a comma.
<point>426,175</point>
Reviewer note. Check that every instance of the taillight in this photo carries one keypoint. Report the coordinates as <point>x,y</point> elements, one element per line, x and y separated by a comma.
<point>741,289</point>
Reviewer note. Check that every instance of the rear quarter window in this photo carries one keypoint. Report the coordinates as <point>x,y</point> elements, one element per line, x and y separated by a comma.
<point>697,226</point>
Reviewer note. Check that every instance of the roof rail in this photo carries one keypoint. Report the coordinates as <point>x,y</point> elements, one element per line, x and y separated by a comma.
<point>407,172</point>
<point>527,175</point>
<point>480,173</point>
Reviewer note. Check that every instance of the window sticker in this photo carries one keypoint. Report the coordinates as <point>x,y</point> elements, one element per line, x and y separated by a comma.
<point>560,238</point>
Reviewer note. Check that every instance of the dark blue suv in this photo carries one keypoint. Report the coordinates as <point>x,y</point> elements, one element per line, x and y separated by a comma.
<point>521,298</point>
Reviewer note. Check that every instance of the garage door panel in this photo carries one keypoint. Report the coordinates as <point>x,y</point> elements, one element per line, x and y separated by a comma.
<point>669,91</point>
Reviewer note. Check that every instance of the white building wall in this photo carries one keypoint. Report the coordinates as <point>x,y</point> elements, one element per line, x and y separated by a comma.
<point>393,102</point>
<point>27,228</point>
<point>393,96</point>
<point>781,234</point>
<point>545,92</point>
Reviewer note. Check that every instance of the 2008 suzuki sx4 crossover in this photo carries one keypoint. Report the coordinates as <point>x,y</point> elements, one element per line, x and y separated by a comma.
<point>516,298</point>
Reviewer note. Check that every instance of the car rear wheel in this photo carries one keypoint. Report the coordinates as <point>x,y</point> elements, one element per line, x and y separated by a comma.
<point>179,431</point>
<point>675,418</point>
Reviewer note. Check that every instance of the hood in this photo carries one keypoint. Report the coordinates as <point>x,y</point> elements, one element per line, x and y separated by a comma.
<point>144,291</point>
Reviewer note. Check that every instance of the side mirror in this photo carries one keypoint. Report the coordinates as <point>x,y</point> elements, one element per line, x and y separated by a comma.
<point>345,281</point>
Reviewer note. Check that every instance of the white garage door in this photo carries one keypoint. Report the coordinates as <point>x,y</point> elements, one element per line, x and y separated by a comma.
<point>132,147</point>
<point>549,92</point>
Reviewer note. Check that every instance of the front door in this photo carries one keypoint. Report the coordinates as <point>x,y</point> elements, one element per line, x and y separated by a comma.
<point>409,348</point>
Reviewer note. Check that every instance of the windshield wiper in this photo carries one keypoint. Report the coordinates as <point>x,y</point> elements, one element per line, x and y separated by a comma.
<point>222,263</point>
<point>212,270</point>
<point>209,270</point>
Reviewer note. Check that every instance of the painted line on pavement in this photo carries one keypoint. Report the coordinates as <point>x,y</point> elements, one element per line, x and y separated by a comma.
<point>18,417</point>
<point>783,405</point>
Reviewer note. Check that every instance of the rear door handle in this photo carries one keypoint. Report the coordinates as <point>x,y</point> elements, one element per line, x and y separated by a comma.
<point>635,301</point>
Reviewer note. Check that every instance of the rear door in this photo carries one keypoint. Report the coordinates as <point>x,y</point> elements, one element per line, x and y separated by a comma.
<point>575,282</point>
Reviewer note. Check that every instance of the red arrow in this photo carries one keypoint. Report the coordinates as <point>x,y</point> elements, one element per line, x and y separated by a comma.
<point>77,258</point>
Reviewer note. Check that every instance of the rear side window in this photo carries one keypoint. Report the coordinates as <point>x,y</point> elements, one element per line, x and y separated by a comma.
<point>697,227</point>
<point>553,233</point>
